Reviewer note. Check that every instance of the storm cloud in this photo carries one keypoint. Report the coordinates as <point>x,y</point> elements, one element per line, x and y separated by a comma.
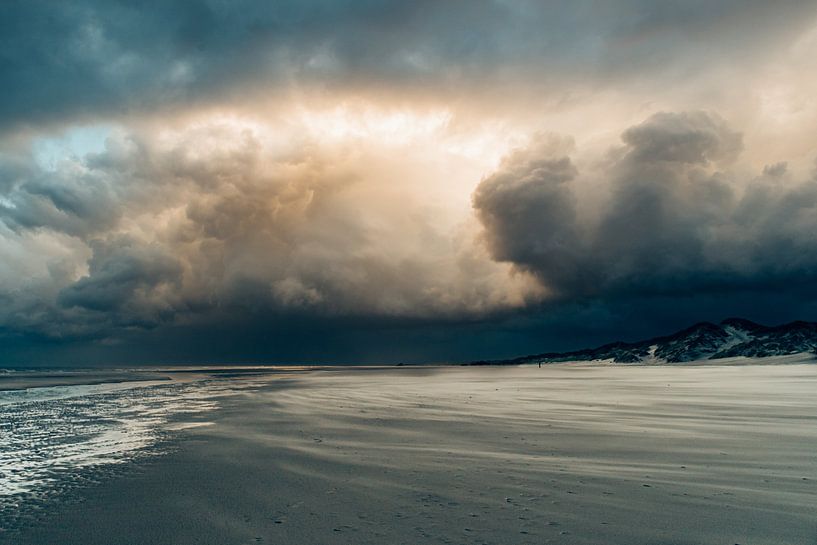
<point>217,221</point>
<point>676,221</point>
<point>376,181</point>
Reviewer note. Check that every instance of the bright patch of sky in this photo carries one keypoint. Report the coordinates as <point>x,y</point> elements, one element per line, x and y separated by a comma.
<point>74,142</point>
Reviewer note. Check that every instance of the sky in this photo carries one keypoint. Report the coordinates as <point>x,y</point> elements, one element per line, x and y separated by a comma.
<point>337,181</point>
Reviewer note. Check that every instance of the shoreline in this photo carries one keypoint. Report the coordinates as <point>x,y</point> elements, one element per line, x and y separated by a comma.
<point>23,379</point>
<point>28,379</point>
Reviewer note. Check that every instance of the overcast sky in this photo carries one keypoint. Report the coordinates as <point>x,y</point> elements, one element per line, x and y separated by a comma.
<point>381,181</point>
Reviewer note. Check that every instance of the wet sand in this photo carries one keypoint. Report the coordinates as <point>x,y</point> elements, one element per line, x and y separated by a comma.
<point>573,454</point>
<point>24,380</point>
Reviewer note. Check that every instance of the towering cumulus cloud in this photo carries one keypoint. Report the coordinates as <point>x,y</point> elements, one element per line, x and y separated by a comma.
<point>529,212</point>
<point>676,221</point>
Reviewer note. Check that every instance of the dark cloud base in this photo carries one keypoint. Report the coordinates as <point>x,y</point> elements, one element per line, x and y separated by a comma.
<point>275,340</point>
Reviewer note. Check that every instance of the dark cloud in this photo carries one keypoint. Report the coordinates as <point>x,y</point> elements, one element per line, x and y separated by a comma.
<point>688,138</point>
<point>92,57</point>
<point>529,212</point>
<point>66,202</point>
<point>676,223</point>
<point>123,273</point>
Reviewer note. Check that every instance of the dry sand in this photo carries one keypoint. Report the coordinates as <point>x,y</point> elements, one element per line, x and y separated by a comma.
<point>563,454</point>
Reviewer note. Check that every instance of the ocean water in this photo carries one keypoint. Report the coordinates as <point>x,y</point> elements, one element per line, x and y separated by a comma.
<point>53,438</point>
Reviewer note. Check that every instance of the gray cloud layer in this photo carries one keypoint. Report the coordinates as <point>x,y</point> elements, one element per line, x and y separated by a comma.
<point>92,57</point>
